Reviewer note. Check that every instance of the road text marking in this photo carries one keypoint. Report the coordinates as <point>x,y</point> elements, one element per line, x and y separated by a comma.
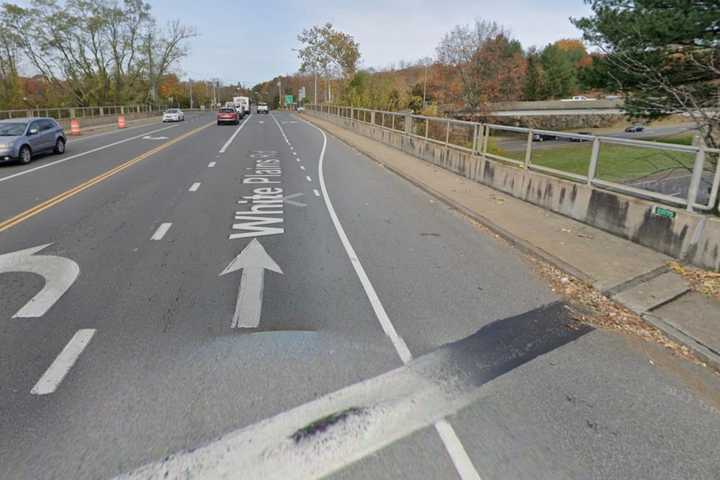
<point>161,231</point>
<point>55,374</point>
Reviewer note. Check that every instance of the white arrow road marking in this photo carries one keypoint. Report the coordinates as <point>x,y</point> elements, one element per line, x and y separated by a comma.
<point>287,199</point>
<point>253,261</point>
<point>55,374</point>
<point>148,137</point>
<point>59,274</point>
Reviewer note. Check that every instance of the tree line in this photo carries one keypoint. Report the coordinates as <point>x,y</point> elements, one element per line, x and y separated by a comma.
<point>86,52</point>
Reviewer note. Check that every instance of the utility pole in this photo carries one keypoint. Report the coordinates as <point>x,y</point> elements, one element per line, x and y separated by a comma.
<point>425,85</point>
<point>279,84</point>
<point>315,90</point>
<point>191,95</point>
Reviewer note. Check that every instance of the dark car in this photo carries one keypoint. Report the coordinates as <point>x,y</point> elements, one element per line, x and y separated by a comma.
<point>578,139</point>
<point>23,138</point>
<point>227,115</point>
<point>634,129</point>
<point>543,137</point>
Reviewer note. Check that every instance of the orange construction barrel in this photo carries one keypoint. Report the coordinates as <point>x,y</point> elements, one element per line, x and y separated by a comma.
<point>74,127</point>
<point>121,121</point>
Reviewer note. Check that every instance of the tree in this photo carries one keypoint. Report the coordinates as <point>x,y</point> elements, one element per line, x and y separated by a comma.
<point>559,72</point>
<point>457,49</point>
<point>497,70</point>
<point>96,51</point>
<point>328,52</point>
<point>534,80</point>
<point>664,55</point>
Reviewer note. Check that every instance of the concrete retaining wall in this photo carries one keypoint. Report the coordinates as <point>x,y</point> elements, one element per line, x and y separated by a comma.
<point>692,237</point>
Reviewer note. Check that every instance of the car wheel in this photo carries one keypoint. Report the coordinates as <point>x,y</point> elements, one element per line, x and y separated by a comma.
<point>25,155</point>
<point>59,146</point>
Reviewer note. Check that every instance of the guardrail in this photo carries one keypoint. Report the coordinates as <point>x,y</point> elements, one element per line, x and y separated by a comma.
<point>62,113</point>
<point>679,175</point>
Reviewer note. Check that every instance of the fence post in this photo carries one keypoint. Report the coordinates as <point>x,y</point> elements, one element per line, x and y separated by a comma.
<point>447,132</point>
<point>427,127</point>
<point>372,118</point>
<point>528,148</point>
<point>102,112</point>
<point>486,140</point>
<point>393,123</point>
<point>475,138</point>
<point>696,177</point>
<point>592,169</point>
<point>408,123</point>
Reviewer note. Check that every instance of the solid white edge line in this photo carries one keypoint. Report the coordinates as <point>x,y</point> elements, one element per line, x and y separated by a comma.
<point>62,364</point>
<point>194,187</point>
<point>232,137</point>
<point>82,154</point>
<point>161,231</point>
<point>453,445</point>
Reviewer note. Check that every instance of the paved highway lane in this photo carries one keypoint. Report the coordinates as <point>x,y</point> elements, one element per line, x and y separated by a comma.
<point>152,351</point>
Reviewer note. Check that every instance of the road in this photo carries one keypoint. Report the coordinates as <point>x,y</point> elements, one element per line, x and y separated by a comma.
<point>263,301</point>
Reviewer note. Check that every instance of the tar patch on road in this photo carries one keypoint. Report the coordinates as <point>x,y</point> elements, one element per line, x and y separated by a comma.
<point>323,424</point>
<point>506,344</point>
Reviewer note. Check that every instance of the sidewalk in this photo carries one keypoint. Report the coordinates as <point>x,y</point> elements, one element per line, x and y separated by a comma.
<point>633,275</point>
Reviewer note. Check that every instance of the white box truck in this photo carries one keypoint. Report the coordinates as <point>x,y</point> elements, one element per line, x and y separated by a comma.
<point>242,102</point>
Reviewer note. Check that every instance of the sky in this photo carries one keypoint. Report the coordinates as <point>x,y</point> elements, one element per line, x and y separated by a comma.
<point>253,41</point>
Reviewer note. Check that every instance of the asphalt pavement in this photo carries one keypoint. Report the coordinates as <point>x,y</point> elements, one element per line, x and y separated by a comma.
<point>262,301</point>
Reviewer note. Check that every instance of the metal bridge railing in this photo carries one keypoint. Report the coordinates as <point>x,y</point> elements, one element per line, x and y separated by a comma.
<point>679,175</point>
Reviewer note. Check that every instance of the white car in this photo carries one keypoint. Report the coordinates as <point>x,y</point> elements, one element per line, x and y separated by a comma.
<point>173,115</point>
<point>262,108</point>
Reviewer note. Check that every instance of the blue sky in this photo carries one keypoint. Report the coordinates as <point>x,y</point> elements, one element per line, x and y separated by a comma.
<point>252,41</point>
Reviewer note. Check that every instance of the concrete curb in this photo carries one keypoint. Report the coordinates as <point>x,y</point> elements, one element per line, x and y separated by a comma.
<point>703,352</point>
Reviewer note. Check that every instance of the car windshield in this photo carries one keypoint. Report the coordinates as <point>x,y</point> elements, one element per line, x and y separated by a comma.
<point>227,110</point>
<point>12,129</point>
<point>172,110</point>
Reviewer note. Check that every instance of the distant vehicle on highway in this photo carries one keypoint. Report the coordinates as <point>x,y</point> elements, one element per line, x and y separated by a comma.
<point>301,109</point>
<point>578,98</point>
<point>576,139</point>
<point>543,137</point>
<point>262,107</point>
<point>22,138</point>
<point>173,115</point>
<point>242,102</point>
<point>228,115</point>
<point>634,129</point>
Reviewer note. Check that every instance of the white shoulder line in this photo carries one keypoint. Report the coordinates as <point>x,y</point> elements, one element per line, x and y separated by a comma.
<point>452,443</point>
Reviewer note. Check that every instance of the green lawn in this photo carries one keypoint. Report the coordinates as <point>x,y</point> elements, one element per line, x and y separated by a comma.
<point>616,162</point>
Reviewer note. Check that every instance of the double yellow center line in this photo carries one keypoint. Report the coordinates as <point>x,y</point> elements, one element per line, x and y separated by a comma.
<point>41,207</point>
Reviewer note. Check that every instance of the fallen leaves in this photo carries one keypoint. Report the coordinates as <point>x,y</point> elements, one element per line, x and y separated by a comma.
<point>702,281</point>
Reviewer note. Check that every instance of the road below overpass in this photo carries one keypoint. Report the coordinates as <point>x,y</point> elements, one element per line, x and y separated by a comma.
<point>262,301</point>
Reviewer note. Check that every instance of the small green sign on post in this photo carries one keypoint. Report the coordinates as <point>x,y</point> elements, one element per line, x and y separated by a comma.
<point>289,100</point>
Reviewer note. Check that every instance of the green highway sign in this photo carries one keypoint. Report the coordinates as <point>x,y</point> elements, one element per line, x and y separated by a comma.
<point>664,212</point>
<point>289,100</point>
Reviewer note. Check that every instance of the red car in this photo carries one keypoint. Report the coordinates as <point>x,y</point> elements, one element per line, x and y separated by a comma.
<point>227,115</point>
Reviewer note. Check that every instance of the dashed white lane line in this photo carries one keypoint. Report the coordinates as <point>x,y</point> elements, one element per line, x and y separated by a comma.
<point>316,192</point>
<point>302,167</point>
<point>230,140</point>
<point>212,164</point>
<point>194,187</point>
<point>55,374</point>
<point>161,231</point>
<point>297,159</point>
<point>456,450</point>
<point>309,179</point>
<point>294,153</point>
